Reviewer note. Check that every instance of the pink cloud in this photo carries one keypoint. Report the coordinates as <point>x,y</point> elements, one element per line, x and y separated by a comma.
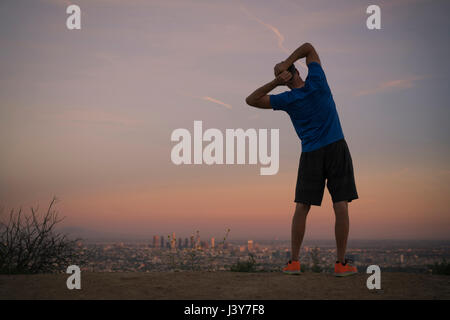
<point>280,37</point>
<point>94,116</point>
<point>405,83</point>
<point>226,105</point>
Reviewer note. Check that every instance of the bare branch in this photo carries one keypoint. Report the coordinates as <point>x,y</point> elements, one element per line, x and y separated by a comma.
<point>30,244</point>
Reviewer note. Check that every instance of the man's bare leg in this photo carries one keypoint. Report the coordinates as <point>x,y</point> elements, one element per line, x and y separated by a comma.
<point>341,228</point>
<point>298,228</point>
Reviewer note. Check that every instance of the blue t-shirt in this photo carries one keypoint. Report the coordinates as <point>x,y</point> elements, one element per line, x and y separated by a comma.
<point>312,110</point>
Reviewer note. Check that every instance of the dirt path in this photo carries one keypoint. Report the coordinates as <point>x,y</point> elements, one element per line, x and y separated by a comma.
<point>223,285</point>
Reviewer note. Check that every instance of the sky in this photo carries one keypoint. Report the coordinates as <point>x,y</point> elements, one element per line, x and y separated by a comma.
<point>87,115</point>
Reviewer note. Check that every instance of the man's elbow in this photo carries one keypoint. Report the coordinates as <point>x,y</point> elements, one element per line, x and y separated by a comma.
<point>308,45</point>
<point>250,101</point>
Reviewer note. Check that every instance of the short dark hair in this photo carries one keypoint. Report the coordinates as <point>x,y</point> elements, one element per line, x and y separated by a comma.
<point>292,69</point>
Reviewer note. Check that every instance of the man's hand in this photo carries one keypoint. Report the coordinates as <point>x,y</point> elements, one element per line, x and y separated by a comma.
<point>283,77</point>
<point>280,67</point>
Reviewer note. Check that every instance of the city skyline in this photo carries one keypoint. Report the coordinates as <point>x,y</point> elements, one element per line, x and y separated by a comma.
<point>141,257</point>
<point>91,235</point>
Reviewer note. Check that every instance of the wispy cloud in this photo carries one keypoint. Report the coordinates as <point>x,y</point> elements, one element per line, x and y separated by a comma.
<point>405,83</point>
<point>60,2</point>
<point>94,116</point>
<point>277,32</point>
<point>274,30</point>
<point>66,3</point>
<point>226,105</point>
<point>206,98</point>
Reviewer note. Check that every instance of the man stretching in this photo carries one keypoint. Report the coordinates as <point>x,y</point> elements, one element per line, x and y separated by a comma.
<point>325,155</point>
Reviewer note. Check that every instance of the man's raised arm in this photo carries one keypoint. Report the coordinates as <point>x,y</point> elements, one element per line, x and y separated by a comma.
<point>260,98</point>
<point>306,50</point>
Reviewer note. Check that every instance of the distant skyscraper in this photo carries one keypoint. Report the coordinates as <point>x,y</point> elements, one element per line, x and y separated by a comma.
<point>156,241</point>
<point>197,241</point>
<point>173,241</point>
<point>186,242</point>
<point>212,243</point>
<point>162,241</point>
<point>402,259</point>
<point>180,243</point>
<point>250,245</point>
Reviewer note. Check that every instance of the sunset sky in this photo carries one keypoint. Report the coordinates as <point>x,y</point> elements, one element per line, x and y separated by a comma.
<point>86,115</point>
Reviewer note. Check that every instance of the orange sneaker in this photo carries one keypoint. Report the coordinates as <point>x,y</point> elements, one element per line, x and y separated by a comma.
<point>293,267</point>
<point>343,270</point>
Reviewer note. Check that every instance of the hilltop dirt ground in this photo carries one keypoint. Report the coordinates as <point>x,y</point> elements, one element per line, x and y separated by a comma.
<point>223,285</point>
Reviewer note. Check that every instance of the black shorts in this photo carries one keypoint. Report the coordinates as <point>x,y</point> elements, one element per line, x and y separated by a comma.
<point>332,163</point>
